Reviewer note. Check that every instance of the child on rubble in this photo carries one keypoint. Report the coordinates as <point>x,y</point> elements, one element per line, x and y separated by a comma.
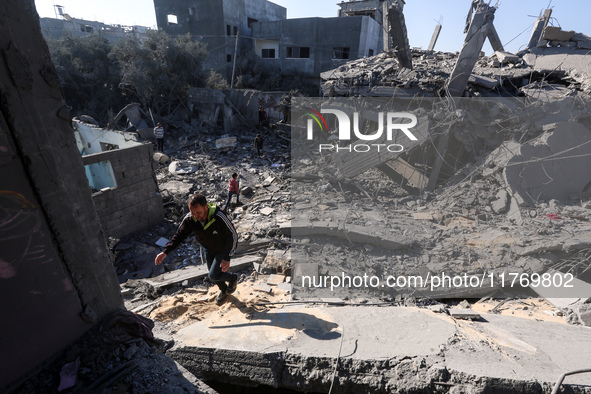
<point>233,189</point>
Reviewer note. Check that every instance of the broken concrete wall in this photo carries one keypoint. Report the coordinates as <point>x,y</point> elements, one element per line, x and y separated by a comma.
<point>552,59</point>
<point>377,10</point>
<point>60,28</point>
<point>553,166</point>
<point>398,34</point>
<point>55,275</point>
<point>134,203</point>
<point>210,105</point>
<point>92,139</point>
<point>248,102</point>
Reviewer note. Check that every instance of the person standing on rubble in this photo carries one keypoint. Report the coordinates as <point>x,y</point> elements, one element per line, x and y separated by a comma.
<point>233,189</point>
<point>263,119</point>
<point>218,239</point>
<point>258,143</point>
<point>159,134</point>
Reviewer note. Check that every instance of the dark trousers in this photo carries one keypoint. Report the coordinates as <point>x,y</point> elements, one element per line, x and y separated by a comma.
<point>213,261</point>
<point>160,144</point>
<point>230,194</point>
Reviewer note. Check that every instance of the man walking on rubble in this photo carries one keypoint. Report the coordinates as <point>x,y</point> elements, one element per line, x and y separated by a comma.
<point>218,239</point>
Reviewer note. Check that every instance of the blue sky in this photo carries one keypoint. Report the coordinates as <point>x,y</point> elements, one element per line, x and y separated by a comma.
<point>512,18</point>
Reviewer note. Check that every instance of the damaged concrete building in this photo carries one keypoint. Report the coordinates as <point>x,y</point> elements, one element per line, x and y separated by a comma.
<point>66,25</point>
<point>239,27</point>
<point>120,173</point>
<point>224,25</point>
<point>57,281</point>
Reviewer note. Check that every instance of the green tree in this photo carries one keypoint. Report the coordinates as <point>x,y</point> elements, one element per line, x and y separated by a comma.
<point>158,70</point>
<point>216,81</point>
<point>89,78</point>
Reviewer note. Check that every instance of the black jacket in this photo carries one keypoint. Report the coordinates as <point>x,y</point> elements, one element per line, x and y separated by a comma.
<point>218,235</point>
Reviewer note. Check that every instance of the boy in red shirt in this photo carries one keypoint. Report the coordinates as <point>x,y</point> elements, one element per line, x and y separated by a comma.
<point>233,189</point>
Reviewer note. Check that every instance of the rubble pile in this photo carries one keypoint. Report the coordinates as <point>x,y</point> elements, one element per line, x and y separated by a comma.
<point>501,74</point>
<point>119,355</point>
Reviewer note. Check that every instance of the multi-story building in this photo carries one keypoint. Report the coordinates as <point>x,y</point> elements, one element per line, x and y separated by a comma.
<point>224,25</point>
<point>66,25</point>
<point>309,46</point>
<point>305,46</point>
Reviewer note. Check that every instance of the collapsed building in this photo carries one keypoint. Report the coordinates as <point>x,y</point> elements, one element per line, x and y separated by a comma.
<point>65,25</point>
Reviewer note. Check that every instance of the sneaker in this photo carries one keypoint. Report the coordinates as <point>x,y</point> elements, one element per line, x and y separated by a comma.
<point>232,285</point>
<point>219,300</point>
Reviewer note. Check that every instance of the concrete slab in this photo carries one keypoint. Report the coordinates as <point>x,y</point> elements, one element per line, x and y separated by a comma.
<point>552,166</point>
<point>197,271</point>
<point>287,287</point>
<point>317,332</point>
<point>288,347</point>
<point>267,211</point>
<point>275,279</point>
<point>468,314</point>
<point>263,287</point>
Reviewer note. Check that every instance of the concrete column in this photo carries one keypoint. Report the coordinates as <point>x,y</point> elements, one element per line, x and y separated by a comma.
<point>539,27</point>
<point>386,39</point>
<point>494,39</point>
<point>399,35</point>
<point>477,34</point>
<point>434,38</point>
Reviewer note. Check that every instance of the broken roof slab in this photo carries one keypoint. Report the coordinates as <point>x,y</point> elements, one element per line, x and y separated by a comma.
<point>391,347</point>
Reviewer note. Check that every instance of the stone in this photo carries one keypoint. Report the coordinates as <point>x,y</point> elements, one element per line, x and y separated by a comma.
<point>162,242</point>
<point>160,158</point>
<point>506,57</point>
<point>266,211</point>
<point>465,314</point>
<point>268,181</point>
<point>422,216</point>
<point>287,287</point>
<point>501,203</point>
<point>226,143</point>
<point>554,33</point>
<point>182,168</point>
<point>275,279</point>
<point>263,287</point>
